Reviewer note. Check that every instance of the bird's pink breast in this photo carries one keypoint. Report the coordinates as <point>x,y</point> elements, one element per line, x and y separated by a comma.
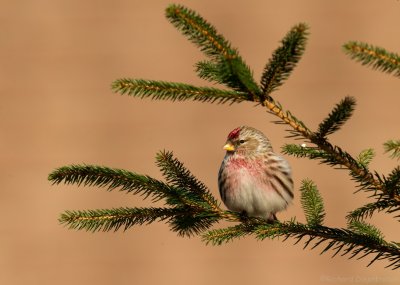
<point>243,169</point>
<point>247,187</point>
<point>253,166</point>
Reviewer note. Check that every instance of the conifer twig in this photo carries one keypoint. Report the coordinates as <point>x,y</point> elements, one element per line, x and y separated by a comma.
<point>161,90</point>
<point>312,203</point>
<point>345,241</point>
<point>232,70</point>
<point>284,59</point>
<point>393,146</point>
<point>376,57</point>
<point>340,157</point>
<point>367,210</point>
<point>114,219</point>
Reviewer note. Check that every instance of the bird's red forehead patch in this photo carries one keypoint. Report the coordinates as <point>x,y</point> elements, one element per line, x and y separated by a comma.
<point>234,134</point>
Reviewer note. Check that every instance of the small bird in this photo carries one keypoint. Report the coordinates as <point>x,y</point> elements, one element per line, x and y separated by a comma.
<point>254,180</point>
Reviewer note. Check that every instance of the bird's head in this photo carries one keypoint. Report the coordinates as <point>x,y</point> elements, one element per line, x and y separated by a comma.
<point>247,141</point>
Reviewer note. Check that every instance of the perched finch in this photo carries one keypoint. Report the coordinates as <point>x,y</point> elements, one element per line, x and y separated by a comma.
<point>253,179</point>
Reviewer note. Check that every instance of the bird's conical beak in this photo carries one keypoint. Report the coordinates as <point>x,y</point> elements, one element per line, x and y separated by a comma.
<point>229,147</point>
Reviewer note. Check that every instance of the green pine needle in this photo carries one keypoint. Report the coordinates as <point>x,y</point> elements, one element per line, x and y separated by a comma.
<point>236,74</point>
<point>193,221</point>
<point>181,219</point>
<point>339,115</point>
<point>312,203</point>
<point>376,57</point>
<point>208,70</point>
<point>284,59</point>
<point>200,32</point>
<point>111,178</point>
<point>221,72</point>
<point>178,176</point>
<point>225,235</point>
<point>114,219</point>
<point>392,184</point>
<point>364,228</point>
<point>344,241</point>
<point>367,210</point>
<point>232,70</point>
<point>365,157</point>
<point>340,159</point>
<point>161,90</point>
<point>304,151</point>
<point>360,241</point>
<point>100,176</point>
<point>392,146</point>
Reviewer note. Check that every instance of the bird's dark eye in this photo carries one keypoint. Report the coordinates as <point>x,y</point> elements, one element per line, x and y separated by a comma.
<point>241,141</point>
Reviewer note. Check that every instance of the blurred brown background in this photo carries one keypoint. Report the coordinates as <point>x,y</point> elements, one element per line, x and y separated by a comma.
<point>57,61</point>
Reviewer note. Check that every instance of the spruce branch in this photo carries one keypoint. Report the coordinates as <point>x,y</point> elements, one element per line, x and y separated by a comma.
<point>209,71</point>
<point>284,59</point>
<point>367,210</point>
<point>177,175</point>
<point>286,117</point>
<point>332,154</point>
<point>200,32</point>
<point>392,146</point>
<point>193,208</point>
<point>364,228</point>
<point>376,57</point>
<point>193,221</point>
<point>232,70</point>
<point>161,90</point>
<point>312,203</point>
<point>224,235</point>
<point>182,220</point>
<point>114,219</point>
<point>324,150</point>
<point>111,178</point>
<point>346,241</point>
<point>386,201</point>
<point>310,152</point>
<point>339,115</point>
<point>392,184</point>
<point>367,180</point>
<point>336,157</point>
<point>359,242</point>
